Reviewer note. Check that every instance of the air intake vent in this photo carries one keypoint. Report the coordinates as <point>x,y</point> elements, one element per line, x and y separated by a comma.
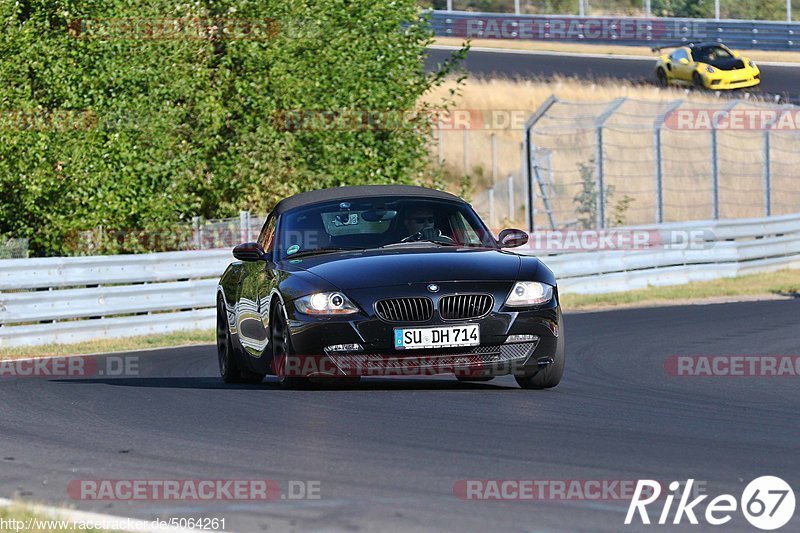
<point>465,306</point>
<point>405,309</point>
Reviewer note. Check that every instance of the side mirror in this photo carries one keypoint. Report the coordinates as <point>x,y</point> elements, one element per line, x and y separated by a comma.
<point>683,61</point>
<point>511,238</point>
<point>249,251</point>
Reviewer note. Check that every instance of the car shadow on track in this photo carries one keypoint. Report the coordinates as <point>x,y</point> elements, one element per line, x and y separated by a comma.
<point>273,385</point>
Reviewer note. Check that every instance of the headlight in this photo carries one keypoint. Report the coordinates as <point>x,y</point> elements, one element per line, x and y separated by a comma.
<point>710,69</point>
<point>527,293</point>
<point>752,63</point>
<point>325,303</point>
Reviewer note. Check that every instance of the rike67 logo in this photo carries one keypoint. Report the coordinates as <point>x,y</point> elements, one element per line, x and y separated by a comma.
<point>767,503</point>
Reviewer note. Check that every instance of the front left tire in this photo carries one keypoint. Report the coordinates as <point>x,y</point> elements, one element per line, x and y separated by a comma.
<point>549,376</point>
<point>697,81</point>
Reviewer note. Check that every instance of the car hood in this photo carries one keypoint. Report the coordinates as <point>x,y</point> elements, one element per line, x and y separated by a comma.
<point>380,268</point>
<point>727,63</point>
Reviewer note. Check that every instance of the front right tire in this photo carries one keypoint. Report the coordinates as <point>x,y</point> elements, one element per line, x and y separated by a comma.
<point>661,77</point>
<point>229,366</point>
<point>281,342</point>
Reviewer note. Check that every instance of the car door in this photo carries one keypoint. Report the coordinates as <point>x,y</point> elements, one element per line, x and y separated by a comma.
<point>682,66</point>
<point>256,286</point>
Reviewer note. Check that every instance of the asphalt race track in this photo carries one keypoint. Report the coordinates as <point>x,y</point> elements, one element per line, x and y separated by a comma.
<point>387,453</point>
<point>780,80</point>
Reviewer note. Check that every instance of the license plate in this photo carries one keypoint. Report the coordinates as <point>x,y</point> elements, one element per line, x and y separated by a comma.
<point>441,337</point>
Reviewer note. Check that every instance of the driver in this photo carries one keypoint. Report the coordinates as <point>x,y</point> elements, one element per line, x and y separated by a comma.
<point>420,224</point>
<point>418,219</point>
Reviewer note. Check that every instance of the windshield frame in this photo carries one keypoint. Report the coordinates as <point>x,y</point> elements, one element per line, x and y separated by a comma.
<point>487,238</point>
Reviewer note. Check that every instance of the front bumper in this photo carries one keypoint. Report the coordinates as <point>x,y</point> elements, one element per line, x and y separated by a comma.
<point>735,79</point>
<point>312,338</point>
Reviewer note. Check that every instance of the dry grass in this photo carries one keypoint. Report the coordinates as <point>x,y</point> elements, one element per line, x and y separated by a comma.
<point>103,346</point>
<point>628,150</point>
<point>605,49</point>
<point>19,517</point>
<point>781,283</point>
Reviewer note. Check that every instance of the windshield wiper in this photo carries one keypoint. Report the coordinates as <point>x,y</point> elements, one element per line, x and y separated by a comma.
<point>316,251</point>
<point>421,241</point>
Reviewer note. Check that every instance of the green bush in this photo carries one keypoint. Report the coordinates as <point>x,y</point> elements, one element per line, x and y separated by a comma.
<point>124,130</point>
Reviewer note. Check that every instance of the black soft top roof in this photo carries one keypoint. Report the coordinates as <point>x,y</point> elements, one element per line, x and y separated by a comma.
<point>359,191</point>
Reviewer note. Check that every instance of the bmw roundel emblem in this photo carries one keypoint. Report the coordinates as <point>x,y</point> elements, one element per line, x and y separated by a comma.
<point>433,287</point>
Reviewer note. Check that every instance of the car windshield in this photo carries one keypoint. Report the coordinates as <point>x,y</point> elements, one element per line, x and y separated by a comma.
<point>366,223</point>
<point>710,53</point>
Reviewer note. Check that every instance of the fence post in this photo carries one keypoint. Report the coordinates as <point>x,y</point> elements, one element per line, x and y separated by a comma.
<point>441,146</point>
<point>244,226</point>
<point>491,207</point>
<point>516,7</point>
<point>715,161</point>
<point>449,5</point>
<point>196,232</point>
<point>600,210</point>
<point>530,200</point>
<point>658,161</point>
<point>659,169</point>
<point>466,152</point>
<point>511,210</point>
<point>494,158</point>
<point>527,151</point>
<point>714,175</point>
<point>767,175</point>
<point>599,177</point>
<point>582,8</point>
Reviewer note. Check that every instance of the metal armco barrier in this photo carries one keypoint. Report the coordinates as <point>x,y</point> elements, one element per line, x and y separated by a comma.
<point>73,299</point>
<point>633,31</point>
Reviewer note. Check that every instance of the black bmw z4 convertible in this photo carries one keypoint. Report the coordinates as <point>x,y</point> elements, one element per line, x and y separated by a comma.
<point>382,280</point>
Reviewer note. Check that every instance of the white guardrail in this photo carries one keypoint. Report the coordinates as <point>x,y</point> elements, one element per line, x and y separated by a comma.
<point>73,299</point>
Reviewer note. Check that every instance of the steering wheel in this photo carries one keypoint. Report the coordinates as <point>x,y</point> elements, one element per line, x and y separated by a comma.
<point>429,234</point>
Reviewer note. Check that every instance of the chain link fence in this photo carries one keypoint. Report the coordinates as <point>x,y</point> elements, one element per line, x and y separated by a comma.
<point>13,248</point>
<point>200,234</point>
<point>627,161</point>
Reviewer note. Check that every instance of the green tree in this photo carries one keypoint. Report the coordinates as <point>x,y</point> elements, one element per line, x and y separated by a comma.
<point>166,128</point>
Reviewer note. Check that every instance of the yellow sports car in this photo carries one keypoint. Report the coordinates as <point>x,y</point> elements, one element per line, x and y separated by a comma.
<point>706,65</point>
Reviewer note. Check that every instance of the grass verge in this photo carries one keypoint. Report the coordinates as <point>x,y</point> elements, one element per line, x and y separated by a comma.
<point>16,518</point>
<point>781,283</point>
<point>766,285</point>
<point>178,338</point>
<point>604,49</point>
